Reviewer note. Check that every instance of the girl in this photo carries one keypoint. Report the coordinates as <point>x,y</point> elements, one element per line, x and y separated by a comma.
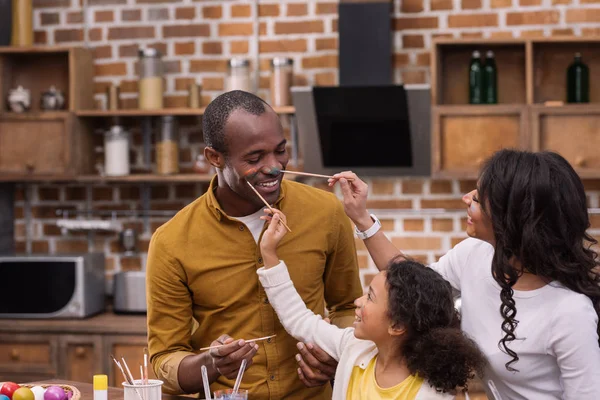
<point>529,291</point>
<point>405,343</point>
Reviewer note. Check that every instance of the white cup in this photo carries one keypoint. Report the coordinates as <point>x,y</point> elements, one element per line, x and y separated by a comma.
<point>139,391</point>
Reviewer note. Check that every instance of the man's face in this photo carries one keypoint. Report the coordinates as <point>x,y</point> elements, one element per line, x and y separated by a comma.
<point>255,152</point>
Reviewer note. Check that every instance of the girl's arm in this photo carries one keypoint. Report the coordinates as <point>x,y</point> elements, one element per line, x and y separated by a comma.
<point>296,318</point>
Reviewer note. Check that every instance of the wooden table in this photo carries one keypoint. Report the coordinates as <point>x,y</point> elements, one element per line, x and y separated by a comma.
<point>87,390</point>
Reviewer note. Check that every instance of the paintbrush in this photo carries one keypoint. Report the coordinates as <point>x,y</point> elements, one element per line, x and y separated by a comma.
<point>277,171</point>
<point>268,205</point>
<point>247,341</point>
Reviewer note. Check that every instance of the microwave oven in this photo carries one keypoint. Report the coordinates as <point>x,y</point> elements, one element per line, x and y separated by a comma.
<point>52,286</point>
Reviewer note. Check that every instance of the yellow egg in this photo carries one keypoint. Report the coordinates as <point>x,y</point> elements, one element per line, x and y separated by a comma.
<point>23,394</point>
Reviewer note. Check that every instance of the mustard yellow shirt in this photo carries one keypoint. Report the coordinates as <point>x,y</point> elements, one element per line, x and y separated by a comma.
<point>202,283</point>
<point>363,385</point>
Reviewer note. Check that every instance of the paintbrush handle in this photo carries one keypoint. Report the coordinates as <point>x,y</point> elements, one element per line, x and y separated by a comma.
<point>247,341</point>
<point>268,205</point>
<point>311,174</point>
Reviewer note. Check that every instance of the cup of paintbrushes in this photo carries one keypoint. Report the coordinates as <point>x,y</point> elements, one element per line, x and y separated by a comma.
<point>151,391</point>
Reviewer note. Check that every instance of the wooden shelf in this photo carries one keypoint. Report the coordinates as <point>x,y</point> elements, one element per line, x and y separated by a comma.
<point>134,178</point>
<point>35,49</point>
<point>165,111</point>
<point>39,115</point>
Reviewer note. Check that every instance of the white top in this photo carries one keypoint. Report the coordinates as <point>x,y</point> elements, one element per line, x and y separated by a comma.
<point>254,223</point>
<point>557,341</point>
<point>341,344</point>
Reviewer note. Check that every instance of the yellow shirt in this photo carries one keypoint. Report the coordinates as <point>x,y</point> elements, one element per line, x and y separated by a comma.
<point>363,385</point>
<point>202,283</point>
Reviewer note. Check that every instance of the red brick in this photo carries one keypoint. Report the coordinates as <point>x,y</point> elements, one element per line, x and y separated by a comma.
<point>102,193</point>
<point>236,29</point>
<point>590,31</point>
<point>134,32</point>
<point>131,15</point>
<point>104,16</point>
<point>417,243</point>
<point>327,8</point>
<point>51,3</point>
<point>185,48</point>
<point>423,59</point>
<point>440,187</point>
<point>75,17</point>
<point>451,204</point>
<point>533,18</point>
<point>119,68</point>
<point>412,186</point>
<point>157,1</point>
<point>239,47</point>
<point>102,52</point>
<point>48,194</point>
<point>49,18</point>
<point>127,192</point>
<point>326,44</point>
<point>213,83</point>
<point>501,35</point>
<point>414,225</point>
<point>241,11</point>
<point>71,246</point>
<point>283,46</point>
<point>413,77</point>
<point>297,9</point>
<point>500,3</point>
<point>74,193</point>
<point>186,30</point>
<point>471,35</point>
<point>131,263</point>
<point>400,60</point>
<point>39,247</point>
<point>334,25</point>
<point>412,6</point>
<point>442,225</point>
<point>471,4</point>
<point>389,204</point>
<point>381,186</point>
<point>563,32</point>
<point>185,13</point>
<point>437,5</point>
<point>472,20</point>
<point>96,34</point>
<point>325,79</point>
<point>212,12</point>
<point>413,41</point>
<point>68,35</point>
<point>212,48</point>
<point>363,261</point>
<point>534,33</point>
<point>131,50</point>
<point>583,15</point>
<point>103,2</point>
<point>589,1</point>
<point>415,23</point>
<point>268,10</point>
<point>208,66</point>
<point>288,28</point>
<point>527,3</point>
<point>326,61</point>
<point>158,14</point>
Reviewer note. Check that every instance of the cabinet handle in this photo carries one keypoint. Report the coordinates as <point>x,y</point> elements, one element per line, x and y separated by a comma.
<point>580,161</point>
<point>80,351</point>
<point>14,355</point>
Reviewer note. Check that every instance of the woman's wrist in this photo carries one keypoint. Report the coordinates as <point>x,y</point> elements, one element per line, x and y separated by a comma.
<point>270,258</point>
<point>364,222</point>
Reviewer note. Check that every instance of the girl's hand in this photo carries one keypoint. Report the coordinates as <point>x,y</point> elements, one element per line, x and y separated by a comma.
<point>355,198</point>
<point>271,237</point>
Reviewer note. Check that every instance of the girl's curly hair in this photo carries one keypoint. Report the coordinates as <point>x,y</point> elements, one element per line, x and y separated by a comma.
<point>434,347</point>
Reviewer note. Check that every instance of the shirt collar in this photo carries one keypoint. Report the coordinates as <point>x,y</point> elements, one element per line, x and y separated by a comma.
<point>217,210</point>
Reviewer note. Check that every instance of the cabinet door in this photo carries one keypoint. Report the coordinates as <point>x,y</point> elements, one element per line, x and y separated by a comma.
<point>132,349</point>
<point>80,357</point>
<point>34,146</point>
<point>25,355</point>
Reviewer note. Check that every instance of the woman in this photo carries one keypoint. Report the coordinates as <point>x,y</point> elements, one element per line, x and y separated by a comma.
<point>405,343</point>
<point>530,293</point>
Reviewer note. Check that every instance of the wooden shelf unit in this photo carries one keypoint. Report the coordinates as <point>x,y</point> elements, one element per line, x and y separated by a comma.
<point>164,111</point>
<point>133,178</point>
<point>530,73</point>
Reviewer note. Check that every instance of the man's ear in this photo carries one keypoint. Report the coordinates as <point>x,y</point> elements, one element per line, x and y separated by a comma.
<point>214,157</point>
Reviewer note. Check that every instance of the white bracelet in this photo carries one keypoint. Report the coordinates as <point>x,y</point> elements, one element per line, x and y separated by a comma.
<point>371,231</point>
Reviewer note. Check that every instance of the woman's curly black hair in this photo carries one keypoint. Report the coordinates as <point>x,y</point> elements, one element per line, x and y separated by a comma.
<point>538,208</point>
<point>434,347</point>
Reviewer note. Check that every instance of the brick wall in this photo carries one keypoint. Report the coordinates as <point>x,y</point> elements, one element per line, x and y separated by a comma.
<point>197,37</point>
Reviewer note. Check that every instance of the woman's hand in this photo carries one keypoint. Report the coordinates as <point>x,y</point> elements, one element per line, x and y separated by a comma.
<point>355,193</point>
<point>271,237</point>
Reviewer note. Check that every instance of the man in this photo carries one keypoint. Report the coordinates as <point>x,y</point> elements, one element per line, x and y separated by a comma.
<point>202,286</point>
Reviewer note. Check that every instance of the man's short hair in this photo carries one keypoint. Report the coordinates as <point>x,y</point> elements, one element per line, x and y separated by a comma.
<point>218,111</point>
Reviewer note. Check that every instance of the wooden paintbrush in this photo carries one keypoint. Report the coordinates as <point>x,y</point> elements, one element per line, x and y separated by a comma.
<point>247,341</point>
<point>268,206</point>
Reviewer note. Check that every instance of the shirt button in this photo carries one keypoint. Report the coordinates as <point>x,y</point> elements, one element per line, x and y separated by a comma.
<point>260,260</point>
<point>266,300</point>
<point>272,377</point>
<point>269,340</point>
<point>241,227</point>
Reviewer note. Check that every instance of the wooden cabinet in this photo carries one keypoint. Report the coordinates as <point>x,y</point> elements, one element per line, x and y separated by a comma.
<point>72,350</point>
<point>530,114</point>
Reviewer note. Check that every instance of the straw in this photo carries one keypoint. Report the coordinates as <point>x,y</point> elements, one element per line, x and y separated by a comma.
<point>205,383</point>
<point>239,377</point>
<point>268,206</point>
<point>247,341</point>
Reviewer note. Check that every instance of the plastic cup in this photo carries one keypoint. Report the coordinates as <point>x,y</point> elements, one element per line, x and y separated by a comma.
<point>151,391</point>
<point>227,394</point>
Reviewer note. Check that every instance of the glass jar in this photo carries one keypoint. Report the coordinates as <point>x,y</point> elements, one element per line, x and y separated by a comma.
<point>116,151</point>
<point>151,79</point>
<point>238,75</point>
<point>282,72</point>
<point>167,146</point>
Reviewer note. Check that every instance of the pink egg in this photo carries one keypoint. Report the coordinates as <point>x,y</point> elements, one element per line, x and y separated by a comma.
<point>55,393</point>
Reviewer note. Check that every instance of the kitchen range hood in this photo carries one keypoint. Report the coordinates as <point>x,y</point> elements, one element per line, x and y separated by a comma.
<point>367,124</point>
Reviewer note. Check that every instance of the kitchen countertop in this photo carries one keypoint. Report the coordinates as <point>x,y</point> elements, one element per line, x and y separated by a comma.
<point>107,322</point>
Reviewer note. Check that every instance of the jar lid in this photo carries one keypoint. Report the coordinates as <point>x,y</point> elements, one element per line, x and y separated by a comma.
<point>115,131</point>
<point>148,52</point>
<point>281,61</point>
<point>238,62</point>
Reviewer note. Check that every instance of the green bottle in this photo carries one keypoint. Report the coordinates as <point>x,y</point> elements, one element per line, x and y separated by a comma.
<point>476,79</point>
<point>490,80</point>
<point>578,81</point>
